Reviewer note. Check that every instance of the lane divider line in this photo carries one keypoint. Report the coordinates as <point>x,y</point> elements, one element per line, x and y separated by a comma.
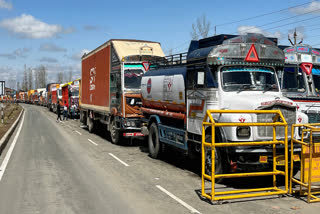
<point>92,142</point>
<point>192,210</point>
<point>10,150</point>
<point>118,159</point>
<point>78,132</point>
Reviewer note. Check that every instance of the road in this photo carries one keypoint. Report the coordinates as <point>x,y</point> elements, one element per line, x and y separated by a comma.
<point>62,168</point>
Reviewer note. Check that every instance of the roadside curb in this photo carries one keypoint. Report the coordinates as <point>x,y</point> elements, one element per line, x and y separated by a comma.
<point>4,140</point>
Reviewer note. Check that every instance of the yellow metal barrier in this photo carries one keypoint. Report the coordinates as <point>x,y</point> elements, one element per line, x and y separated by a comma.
<point>310,162</point>
<point>246,193</point>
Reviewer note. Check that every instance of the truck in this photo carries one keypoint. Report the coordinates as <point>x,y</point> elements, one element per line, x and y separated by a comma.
<point>70,95</point>
<point>55,96</point>
<point>223,72</point>
<point>300,78</point>
<point>35,97</point>
<point>49,95</point>
<point>40,95</point>
<point>110,85</point>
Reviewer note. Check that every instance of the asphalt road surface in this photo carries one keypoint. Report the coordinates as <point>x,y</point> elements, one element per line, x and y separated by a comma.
<point>62,168</point>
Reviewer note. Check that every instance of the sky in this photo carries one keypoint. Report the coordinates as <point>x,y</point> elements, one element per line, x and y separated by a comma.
<point>57,33</point>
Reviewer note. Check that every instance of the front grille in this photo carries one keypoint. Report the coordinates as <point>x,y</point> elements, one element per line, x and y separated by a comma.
<point>266,131</point>
<point>313,117</point>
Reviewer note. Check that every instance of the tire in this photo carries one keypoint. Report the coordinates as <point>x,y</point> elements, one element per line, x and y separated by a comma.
<point>219,166</point>
<point>114,132</point>
<point>153,141</point>
<point>90,124</point>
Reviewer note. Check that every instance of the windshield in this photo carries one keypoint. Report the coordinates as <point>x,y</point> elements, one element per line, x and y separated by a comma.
<point>75,93</point>
<point>59,92</point>
<point>249,79</point>
<point>293,80</point>
<point>132,78</point>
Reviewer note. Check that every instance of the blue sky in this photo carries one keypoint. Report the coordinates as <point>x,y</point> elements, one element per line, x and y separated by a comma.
<point>56,33</point>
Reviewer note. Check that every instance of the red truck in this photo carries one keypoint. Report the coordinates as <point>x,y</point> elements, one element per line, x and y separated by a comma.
<point>110,85</point>
<point>70,95</point>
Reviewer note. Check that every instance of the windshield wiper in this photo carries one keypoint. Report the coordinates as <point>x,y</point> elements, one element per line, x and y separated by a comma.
<point>244,87</point>
<point>268,87</point>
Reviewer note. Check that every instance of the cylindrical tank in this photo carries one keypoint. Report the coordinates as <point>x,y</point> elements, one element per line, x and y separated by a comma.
<point>164,89</point>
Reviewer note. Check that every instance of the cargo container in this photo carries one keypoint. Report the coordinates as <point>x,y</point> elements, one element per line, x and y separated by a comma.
<point>110,85</point>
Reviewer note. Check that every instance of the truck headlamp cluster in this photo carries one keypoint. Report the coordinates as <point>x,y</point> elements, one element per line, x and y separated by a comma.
<point>129,123</point>
<point>243,131</point>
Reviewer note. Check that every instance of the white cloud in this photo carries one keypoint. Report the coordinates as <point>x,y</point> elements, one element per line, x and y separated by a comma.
<point>313,8</point>
<point>77,56</point>
<point>27,26</point>
<point>5,5</point>
<point>253,29</point>
<point>48,59</point>
<point>51,48</point>
<point>91,27</point>
<point>20,52</point>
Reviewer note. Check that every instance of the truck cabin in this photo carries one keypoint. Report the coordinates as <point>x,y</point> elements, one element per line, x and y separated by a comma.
<point>134,67</point>
<point>300,78</point>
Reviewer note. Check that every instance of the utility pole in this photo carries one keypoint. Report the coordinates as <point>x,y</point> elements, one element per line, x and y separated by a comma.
<point>294,38</point>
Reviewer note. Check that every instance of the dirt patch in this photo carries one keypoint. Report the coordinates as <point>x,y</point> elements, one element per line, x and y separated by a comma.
<point>11,113</point>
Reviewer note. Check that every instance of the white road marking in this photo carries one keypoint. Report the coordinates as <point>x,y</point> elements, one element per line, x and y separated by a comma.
<point>178,200</point>
<point>118,159</point>
<point>69,126</point>
<point>78,132</point>
<point>92,142</point>
<point>10,150</point>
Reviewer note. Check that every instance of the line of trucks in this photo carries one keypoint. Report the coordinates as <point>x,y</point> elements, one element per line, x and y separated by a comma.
<point>67,93</point>
<point>132,90</point>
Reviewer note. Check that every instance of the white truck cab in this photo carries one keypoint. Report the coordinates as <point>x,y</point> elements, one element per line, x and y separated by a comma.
<point>221,72</point>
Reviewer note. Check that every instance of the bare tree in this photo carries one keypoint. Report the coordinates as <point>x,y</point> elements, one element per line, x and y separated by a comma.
<point>201,28</point>
<point>18,86</point>
<point>60,77</point>
<point>36,79</point>
<point>42,76</point>
<point>30,79</point>
<point>25,79</point>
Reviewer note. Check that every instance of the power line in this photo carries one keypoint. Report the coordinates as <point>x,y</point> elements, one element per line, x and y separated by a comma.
<point>270,23</point>
<point>265,14</point>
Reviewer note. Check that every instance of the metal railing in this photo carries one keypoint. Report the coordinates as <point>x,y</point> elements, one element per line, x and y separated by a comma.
<point>310,162</point>
<point>278,120</point>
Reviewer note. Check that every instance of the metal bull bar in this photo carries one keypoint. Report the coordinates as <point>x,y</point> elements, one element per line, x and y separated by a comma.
<point>310,162</point>
<point>246,193</point>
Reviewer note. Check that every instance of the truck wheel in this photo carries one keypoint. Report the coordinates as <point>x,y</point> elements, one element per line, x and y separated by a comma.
<point>90,124</point>
<point>153,141</point>
<point>218,161</point>
<point>114,132</point>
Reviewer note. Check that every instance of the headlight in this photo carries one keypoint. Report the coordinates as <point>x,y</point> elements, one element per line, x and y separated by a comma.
<point>243,131</point>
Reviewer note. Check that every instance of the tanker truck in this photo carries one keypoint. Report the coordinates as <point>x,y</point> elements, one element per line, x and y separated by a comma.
<point>300,79</point>
<point>110,86</point>
<point>223,72</point>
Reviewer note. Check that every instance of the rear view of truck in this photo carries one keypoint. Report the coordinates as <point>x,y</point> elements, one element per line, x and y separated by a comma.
<point>110,85</point>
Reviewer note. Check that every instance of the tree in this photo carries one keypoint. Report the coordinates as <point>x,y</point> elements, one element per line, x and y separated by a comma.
<point>42,76</point>
<point>18,86</point>
<point>60,77</point>
<point>201,28</point>
<point>25,79</point>
<point>30,79</point>
<point>70,76</point>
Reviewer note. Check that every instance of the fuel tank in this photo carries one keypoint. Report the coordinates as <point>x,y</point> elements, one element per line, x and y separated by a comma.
<point>164,89</point>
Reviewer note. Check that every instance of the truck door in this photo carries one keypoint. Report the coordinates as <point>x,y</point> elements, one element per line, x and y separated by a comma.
<point>201,95</point>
